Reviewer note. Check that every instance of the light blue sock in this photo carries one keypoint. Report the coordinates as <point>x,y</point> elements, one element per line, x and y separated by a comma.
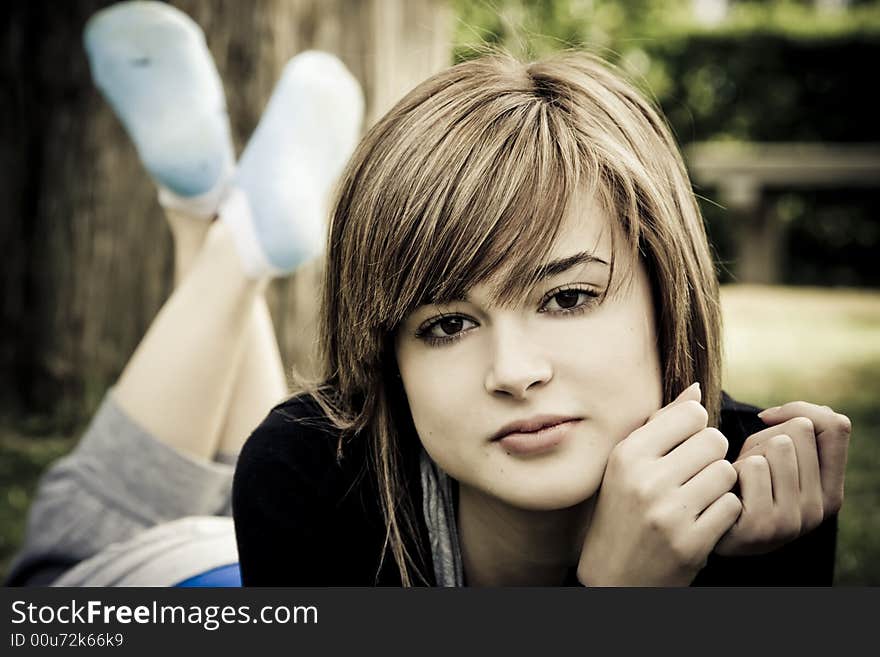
<point>152,65</point>
<point>287,171</point>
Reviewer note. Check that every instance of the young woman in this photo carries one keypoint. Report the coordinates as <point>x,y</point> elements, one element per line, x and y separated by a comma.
<point>521,335</point>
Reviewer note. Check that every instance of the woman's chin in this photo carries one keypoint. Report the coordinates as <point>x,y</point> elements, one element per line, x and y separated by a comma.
<point>549,494</point>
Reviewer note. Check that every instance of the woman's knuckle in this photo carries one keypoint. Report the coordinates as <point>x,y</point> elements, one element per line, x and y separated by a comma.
<point>755,463</point>
<point>726,472</point>
<point>842,424</point>
<point>657,520</point>
<point>644,491</point>
<point>745,528</point>
<point>716,440</point>
<point>697,412</point>
<point>832,503</point>
<point>781,445</point>
<point>683,551</point>
<point>812,515</point>
<point>790,527</point>
<point>801,425</point>
<point>668,515</point>
<point>733,503</point>
<point>809,523</point>
<point>693,415</point>
<point>764,531</point>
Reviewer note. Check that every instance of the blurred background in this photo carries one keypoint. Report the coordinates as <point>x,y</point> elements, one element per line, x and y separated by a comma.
<point>771,101</point>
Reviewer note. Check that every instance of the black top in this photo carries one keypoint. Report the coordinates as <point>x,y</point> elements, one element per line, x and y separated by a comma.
<point>302,519</point>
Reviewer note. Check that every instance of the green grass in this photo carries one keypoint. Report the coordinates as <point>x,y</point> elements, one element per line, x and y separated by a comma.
<point>782,344</point>
<point>23,457</point>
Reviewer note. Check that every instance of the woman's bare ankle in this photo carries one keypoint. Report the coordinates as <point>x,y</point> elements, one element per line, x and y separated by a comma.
<point>189,233</point>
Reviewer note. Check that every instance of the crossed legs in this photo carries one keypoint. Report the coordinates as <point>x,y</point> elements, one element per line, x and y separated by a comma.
<point>208,369</point>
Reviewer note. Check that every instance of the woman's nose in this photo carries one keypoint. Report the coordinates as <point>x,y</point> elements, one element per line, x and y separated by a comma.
<point>517,364</point>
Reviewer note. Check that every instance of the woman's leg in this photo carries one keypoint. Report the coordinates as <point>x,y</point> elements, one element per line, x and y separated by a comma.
<point>145,458</point>
<point>259,382</point>
<point>273,217</point>
<point>305,136</point>
<point>130,470</point>
<point>178,382</point>
<point>188,233</point>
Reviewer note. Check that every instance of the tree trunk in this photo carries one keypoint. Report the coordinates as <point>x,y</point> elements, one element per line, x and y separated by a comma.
<point>87,257</point>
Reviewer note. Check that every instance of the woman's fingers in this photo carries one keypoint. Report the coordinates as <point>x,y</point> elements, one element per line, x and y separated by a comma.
<point>809,491</point>
<point>692,392</point>
<point>717,520</point>
<point>706,486</point>
<point>824,418</point>
<point>809,477</point>
<point>712,508</point>
<point>666,431</point>
<point>833,431</point>
<point>797,426</point>
<point>694,454</point>
<point>771,515</point>
<point>756,489</point>
<point>783,461</point>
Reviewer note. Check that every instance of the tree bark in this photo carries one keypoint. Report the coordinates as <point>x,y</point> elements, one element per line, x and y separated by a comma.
<point>88,258</point>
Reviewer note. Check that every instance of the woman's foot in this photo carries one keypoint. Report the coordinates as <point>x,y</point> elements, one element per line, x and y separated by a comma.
<point>151,63</point>
<point>287,171</point>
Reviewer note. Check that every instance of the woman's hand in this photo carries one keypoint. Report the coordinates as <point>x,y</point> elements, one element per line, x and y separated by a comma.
<point>832,433</point>
<point>664,503</point>
<point>791,477</point>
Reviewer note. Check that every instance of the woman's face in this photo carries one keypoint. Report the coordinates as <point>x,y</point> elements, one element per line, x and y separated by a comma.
<point>475,369</point>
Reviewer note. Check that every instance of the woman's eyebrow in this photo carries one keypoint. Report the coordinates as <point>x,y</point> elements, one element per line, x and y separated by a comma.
<point>555,267</point>
<point>548,270</point>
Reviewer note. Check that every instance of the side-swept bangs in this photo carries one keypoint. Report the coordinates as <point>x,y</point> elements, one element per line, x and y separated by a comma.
<point>475,178</point>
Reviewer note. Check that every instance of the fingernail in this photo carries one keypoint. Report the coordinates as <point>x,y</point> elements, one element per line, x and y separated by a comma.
<point>683,392</point>
<point>768,411</point>
<point>687,393</point>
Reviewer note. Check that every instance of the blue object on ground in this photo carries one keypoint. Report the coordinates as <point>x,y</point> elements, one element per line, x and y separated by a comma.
<point>222,576</point>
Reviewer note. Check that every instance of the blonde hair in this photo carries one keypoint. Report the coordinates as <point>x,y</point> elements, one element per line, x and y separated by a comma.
<point>473,171</point>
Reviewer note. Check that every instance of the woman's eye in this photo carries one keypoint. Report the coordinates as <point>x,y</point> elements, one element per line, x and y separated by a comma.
<point>449,325</point>
<point>446,327</point>
<point>568,300</point>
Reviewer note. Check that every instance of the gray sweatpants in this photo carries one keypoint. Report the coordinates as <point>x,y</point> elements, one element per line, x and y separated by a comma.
<point>127,509</point>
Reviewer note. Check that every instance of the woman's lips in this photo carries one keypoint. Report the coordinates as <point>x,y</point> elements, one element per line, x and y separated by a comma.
<point>536,442</point>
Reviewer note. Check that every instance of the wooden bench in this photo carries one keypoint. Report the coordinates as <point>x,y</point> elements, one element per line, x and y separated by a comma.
<point>742,171</point>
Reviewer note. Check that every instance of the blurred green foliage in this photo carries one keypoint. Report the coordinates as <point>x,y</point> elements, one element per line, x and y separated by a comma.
<point>25,452</point>
<point>769,71</point>
<point>531,28</point>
